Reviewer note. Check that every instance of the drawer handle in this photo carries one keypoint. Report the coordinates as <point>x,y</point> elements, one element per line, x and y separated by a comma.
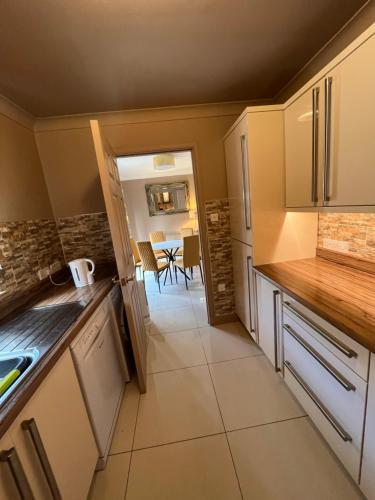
<point>18,474</point>
<point>30,427</point>
<point>325,364</point>
<point>331,419</point>
<point>329,338</point>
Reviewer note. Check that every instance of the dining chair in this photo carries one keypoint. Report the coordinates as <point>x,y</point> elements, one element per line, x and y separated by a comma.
<point>190,259</point>
<point>157,237</point>
<point>136,256</point>
<point>184,231</point>
<point>150,262</point>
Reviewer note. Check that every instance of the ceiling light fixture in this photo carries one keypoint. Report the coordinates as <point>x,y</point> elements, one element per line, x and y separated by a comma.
<point>164,162</point>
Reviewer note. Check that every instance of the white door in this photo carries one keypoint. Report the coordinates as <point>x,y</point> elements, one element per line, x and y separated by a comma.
<point>269,325</point>
<point>368,463</point>
<point>237,166</point>
<point>115,206</point>
<point>304,137</point>
<point>350,173</point>
<point>243,289</point>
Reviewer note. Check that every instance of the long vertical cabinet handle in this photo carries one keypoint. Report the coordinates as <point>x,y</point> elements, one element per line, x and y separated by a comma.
<point>31,427</point>
<point>245,182</point>
<point>11,458</point>
<point>327,137</point>
<point>276,293</point>
<point>315,144</point>
<point>251,291</point>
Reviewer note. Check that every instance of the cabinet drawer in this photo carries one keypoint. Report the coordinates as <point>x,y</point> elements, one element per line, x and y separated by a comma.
<point>331,393</point>
<point>352,354</point>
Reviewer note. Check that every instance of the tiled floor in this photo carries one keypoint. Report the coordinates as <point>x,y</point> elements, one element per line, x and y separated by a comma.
<point>216,422</point>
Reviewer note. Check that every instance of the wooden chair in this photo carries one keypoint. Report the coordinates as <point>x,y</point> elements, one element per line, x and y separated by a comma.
<point>150,263</point>
<point>156,237</point>
<point>136,256</point>
<point>190,259</point>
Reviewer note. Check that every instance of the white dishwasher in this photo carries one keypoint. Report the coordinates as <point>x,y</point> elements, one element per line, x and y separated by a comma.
<point>100,366</point>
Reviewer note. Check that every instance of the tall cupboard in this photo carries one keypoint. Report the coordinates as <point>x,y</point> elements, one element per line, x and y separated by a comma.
<point>329,146</point>
<point>261,230</point>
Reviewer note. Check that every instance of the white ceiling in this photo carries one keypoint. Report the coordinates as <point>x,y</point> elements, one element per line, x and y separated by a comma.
<point>142,166</point>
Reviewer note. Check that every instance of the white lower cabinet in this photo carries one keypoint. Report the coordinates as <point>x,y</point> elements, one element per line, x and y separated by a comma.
<point>53,439</point>
<point>269,314</point>
<point>332,395</point>
<point>368,461</point>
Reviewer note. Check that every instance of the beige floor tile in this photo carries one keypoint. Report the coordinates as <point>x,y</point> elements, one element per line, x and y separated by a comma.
<point>229,341</point>
<point>125,426</point>
<point>175,350</point>
<point>178,405</point>
<point>200,469</point>
<point>168,300</point>
<point>251,393</point>
<point>172,320</point>
<point>110,483</point>
<point>200,312</point>
<point>288,461</point>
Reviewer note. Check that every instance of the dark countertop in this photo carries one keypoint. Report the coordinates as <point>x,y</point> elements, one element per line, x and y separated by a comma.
<point>342,295</point>
<point>92,296</point>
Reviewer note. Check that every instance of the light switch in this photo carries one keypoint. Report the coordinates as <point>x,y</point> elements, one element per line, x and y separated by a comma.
<point>221,287</point>
<point>214,217</point>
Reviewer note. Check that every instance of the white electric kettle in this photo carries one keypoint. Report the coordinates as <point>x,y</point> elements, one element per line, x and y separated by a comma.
<point>81,273</point>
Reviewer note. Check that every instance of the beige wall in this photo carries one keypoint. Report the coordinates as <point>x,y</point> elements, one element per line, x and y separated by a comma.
<point>23,192</point>
<point>68,159</point>
<point>359,24</point>
<point>141,223</point>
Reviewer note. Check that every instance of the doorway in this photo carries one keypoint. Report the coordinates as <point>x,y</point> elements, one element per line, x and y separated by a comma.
<point>159,193</point>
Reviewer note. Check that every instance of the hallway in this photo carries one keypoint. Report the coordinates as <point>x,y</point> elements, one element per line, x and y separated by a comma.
<point>217,423</point>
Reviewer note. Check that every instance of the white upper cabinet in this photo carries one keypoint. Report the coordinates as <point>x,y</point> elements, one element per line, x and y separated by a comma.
<point>329,136</point>
<point>302,158</point>
<point>237,165</point>
<point>350,171</point>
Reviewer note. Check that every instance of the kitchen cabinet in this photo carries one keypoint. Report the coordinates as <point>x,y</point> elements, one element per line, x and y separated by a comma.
<point>269,320</point>
<point>13,482</point>
<point>303,135</point>
<point>329,146</point>
<point>243,285</point>
<point>367,483</point>
<point>350,172</point>
<point>236,158</point>
<point>54,427</point>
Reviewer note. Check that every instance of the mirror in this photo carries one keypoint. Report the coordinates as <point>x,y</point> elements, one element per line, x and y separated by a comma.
<point>167,199</point>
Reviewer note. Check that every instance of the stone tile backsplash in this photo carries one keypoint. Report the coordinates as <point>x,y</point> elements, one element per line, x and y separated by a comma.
<point>351,233</point>
<point>29,246</point>
<point>87,236</point>
<point>25,248</point>
<point>220,255</point>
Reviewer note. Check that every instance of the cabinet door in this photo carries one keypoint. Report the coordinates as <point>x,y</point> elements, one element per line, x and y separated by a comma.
<point>13,481</point>
<point>243,289</point>
<point>368,460</point>
<point>269,324</point>
<point>237,166</point>
<point>304,134</point>
<point>59,414</point>
<point>350,174</point>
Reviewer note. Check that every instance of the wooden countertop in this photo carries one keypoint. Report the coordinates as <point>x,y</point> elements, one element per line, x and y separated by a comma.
<point>342,295</point>
<point>93,294</point>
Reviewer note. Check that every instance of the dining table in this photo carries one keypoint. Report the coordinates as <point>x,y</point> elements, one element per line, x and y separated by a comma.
<point>169,247</point>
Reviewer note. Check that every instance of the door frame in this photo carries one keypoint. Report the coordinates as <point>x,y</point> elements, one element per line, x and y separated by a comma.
<point>192,147</point>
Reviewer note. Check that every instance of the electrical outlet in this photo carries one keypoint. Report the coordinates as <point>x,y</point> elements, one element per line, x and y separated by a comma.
<point>55,266</point>
<point>221,287</point>
<point>214,217</point>
<point>43,273</point>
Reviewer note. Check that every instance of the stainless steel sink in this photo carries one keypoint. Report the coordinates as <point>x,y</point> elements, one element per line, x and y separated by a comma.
<point>13,368</point>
